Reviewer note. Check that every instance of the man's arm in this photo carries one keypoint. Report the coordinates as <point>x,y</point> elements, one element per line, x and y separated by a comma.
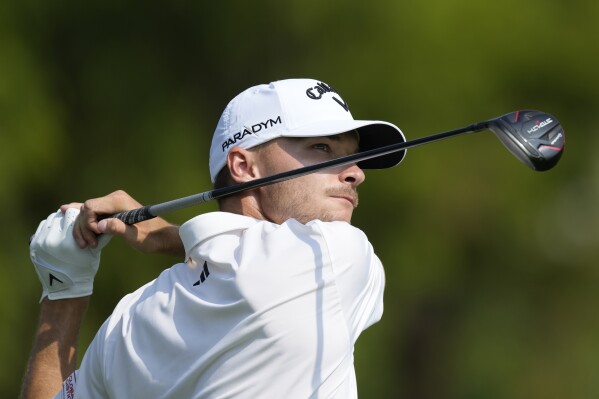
<point>66,273</point>
<point>65,252</point>
<point>54,354</point>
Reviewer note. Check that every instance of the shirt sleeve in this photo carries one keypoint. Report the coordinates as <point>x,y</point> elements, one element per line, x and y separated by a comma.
<point>359,275</point>
<point>90,375</point>
<point>68,387</point>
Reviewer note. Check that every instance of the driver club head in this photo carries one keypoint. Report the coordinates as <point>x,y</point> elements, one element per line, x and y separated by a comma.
<point>534,137</point>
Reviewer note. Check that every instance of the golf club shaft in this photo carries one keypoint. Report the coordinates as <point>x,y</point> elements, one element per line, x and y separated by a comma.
<point>150,211</point>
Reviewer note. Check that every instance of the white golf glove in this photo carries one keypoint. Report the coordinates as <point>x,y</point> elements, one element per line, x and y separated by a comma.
<point>64,269</point>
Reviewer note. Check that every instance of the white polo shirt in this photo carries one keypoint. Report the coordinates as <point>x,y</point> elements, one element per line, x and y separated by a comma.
<point>259,310</point>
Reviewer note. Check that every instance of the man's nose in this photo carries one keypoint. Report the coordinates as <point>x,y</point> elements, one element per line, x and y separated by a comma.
<point>353,175</point>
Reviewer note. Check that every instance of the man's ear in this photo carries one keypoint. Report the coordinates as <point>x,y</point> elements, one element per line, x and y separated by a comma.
<point>242,165</point>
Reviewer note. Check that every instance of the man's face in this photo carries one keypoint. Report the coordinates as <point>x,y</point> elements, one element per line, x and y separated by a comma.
<point>329,195</point>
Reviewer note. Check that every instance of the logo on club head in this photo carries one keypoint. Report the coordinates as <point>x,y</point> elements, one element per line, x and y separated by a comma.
<point>555,140</point>
<point>539,125</point>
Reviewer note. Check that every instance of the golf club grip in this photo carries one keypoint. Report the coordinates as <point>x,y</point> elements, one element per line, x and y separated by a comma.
<point>131,217</point>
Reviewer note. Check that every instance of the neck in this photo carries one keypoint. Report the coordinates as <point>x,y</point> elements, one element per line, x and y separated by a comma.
<point>243,203</point>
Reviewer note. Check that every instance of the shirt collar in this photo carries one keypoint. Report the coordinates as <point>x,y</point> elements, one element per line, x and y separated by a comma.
<point>208,225</point>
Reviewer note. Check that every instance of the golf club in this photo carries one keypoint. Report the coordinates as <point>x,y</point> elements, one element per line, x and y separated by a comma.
<point>534,137</point>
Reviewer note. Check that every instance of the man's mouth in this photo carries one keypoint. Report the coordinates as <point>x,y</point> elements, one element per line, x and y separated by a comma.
<point>349,196</point>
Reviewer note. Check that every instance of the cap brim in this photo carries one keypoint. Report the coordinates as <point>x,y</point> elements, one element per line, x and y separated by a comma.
<point>380,134</point>
<point>373,134</point>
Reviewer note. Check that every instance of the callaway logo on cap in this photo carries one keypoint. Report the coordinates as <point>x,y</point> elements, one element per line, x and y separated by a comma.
<point>296,108</point>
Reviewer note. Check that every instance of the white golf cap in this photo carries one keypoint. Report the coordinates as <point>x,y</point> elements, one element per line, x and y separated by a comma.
<point>296,108</point>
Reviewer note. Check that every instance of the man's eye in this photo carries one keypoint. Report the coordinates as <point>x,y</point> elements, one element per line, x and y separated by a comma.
<point>322,147</point>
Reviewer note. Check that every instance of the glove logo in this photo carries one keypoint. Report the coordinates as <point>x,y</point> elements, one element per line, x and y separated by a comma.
<point>53,277</point>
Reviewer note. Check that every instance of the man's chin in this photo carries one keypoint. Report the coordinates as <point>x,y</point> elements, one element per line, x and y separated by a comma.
<point>337,216</point>
<point>330,214</point>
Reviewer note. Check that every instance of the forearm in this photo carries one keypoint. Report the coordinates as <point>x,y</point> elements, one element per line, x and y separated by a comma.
<point>54,355</point>
<point>166,239</point>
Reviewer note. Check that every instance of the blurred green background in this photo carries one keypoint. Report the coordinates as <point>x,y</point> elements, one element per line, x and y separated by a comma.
<point>492,268</point>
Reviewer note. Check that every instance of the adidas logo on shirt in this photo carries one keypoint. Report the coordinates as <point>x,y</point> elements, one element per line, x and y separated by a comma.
<point>203,276</point>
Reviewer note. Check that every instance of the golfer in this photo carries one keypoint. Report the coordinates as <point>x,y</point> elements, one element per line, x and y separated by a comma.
<point>272,292</point>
